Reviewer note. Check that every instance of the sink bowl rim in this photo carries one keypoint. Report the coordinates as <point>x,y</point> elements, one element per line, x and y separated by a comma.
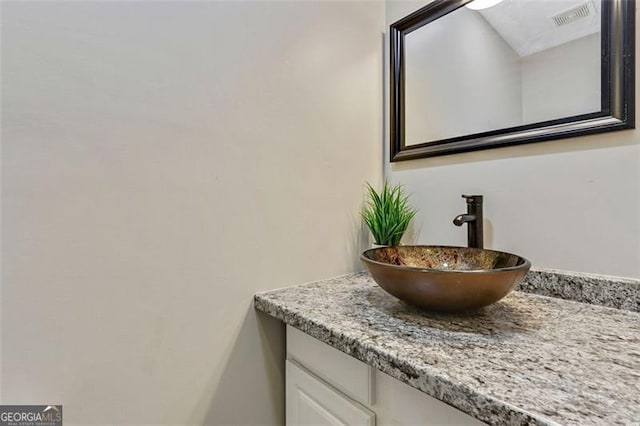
<point>524,265</point>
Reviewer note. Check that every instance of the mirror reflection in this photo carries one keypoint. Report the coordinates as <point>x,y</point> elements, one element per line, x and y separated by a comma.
<point>513,63</point>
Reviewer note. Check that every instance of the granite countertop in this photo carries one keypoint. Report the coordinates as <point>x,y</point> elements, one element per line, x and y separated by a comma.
<point>528,359</point>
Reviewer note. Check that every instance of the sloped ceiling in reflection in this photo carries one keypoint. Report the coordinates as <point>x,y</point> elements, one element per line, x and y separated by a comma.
<point>528,25</point>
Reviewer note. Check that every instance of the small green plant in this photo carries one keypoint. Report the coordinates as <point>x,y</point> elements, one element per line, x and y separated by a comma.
<point>387,214</point>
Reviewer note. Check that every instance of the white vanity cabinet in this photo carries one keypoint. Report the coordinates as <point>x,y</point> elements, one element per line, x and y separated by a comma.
<point>327,387</point>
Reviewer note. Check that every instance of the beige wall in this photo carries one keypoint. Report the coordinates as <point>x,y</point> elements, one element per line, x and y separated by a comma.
<point>162,162</point>
<point>572,204</point>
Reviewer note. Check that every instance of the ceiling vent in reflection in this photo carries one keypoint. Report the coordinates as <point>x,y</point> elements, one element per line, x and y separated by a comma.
<point>576,13</point>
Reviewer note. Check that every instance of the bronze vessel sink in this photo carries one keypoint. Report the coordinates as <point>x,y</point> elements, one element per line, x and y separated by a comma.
<point>445,278</point>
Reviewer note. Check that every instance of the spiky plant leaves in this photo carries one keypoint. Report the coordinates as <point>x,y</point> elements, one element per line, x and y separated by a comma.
<point>387,214</point>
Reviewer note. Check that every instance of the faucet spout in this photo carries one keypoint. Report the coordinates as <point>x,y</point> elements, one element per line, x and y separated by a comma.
<point>473,218</point>
<point>461,219</point>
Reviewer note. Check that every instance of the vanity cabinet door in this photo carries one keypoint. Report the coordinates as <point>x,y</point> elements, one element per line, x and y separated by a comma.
<point>399,404</point>
<point>310,401</point>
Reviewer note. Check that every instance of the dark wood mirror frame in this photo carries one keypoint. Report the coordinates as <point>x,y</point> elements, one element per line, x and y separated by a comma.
<point>617,81</point>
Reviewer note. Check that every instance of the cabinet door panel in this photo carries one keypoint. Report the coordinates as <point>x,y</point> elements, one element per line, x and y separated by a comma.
<point>399,404</point>
<point>310,401</point>
<point>352,377</point>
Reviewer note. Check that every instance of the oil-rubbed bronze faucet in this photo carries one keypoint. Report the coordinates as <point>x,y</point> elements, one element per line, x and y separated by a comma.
<point>473,219</point>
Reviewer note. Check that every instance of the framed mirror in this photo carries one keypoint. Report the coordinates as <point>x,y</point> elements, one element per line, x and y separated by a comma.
<point>478,74</point>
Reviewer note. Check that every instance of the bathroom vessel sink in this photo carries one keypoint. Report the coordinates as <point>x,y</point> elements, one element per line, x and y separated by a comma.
<point>445,278</point>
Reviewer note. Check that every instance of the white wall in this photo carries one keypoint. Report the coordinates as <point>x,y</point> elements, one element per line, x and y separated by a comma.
<point>162,162</point>
<point>448,95</point>
<point>562,81</point>
<point>572,204</point>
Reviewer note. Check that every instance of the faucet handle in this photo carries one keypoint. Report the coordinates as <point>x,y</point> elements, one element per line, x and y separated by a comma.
<point>473,199</point>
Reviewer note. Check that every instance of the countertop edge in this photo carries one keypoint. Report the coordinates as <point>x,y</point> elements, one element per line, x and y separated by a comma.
<point>480,406</point>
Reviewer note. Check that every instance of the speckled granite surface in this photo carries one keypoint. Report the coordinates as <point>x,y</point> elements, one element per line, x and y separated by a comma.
<point>528,359</point>
<point>614,292</point>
